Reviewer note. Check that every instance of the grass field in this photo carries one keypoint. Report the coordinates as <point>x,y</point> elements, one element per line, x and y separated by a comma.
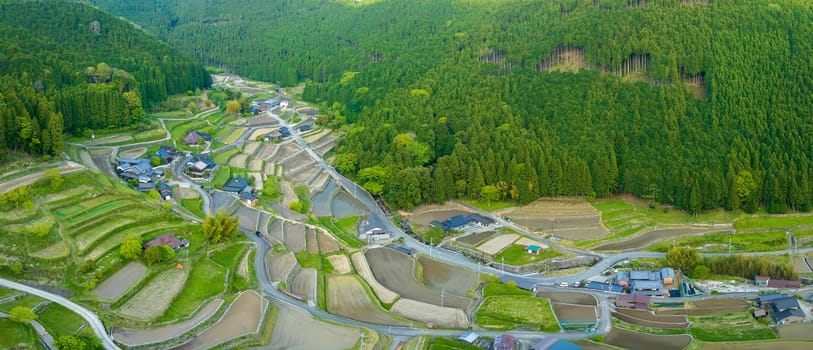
<point>230,256</point>
<point>625,218</point>
<point>16,335</point>
<point>719,242</point>
<point>60,321</point>
<point>738,326</point>
<point>768,222</point>
<point>343,229</point>
<point>489,206</point>
<point>517,255</point>
<point>28,301</point>
<point>496,289</point>
<point>195,205</point>
<point>223,157</point>
<point>450,344</point>
<point>205,280</point>
<point>507,312</point>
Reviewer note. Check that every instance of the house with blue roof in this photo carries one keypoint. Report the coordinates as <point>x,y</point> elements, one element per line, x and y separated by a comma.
<point>236,185</point>
<point>459,222</point>
<point>138,171</point>
<point>603,286</point>
<point>787,310</point>
<point>166,153</point>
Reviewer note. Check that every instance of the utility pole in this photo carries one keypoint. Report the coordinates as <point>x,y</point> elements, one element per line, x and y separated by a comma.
<point>442,292</point>
<point>430,246</point>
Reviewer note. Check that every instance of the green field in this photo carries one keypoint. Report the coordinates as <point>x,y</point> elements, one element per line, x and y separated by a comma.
<point>450,344</point>
<point>223,157</point>
<point>17,336</point>
<point>496,289</point>
<point>195,205</point>
<point>738,326</point>
<point>60,321</point>
<point>773,222</point>
<point>205,281</point>
<point>69,210</point>
<point>719,242</point>
<point>517,255</point>
<point>620,215</point>
<point>343,229</point>
<point>508,312</point>
<point>230,256</point>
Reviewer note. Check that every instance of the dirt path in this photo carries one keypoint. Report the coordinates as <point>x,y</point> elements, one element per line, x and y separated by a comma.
<point>69,167</point>
<point>244,316</point>
<point>138,336</point>
<point>295,330</point>
<point>113,287</point>
<point>242,269</point>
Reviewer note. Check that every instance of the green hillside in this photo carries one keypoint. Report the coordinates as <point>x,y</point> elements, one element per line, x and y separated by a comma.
<point>702,104</point>
<point>67,67</point>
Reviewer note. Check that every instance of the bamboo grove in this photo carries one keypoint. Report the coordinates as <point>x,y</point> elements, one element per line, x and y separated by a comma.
<point>67,67</point>
<point>703,104</point>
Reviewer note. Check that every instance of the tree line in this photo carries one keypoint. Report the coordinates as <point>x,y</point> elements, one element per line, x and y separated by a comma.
<point>444,99</point>
<point>67,67</point>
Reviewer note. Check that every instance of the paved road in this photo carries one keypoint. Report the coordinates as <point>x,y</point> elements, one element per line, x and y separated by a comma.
<point>91,318</point>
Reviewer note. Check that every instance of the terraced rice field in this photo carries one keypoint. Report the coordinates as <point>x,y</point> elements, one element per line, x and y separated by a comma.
<point>574,220</point>
<point>641,341</point>
<point>152,300</point>
<point>295,329</point>
<point>453,279</point>
<point>244,316</point>
<point>477,238</point>
<point>363,268</point>
<point>57,250</point>
<point>569,298</point>
<point>327,244</point>
<point>340,263</point>
<point>647,319</point>
<point>279,266</point>
<point>305,284</point>
<point>310,241</point>
<point>347,297</point>
<point>446,317</point>
<point>394,270</point>
<point>114,286</point>
<point>294,236</point>
<point>275,230</point>
<point>763,345</point>
<point>650,237</point>
<point>709,307</point>
<point>570,312</point>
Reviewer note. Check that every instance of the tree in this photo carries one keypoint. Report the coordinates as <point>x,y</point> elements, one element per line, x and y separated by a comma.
<point>153,254</point>
<point>40,229</point>
<point>70,342</point>
<point>131,248</point>
<point>490,193</point>
<point>233,107</point>
<point>155,161</point>
<point>219,226</point>
<point>683,258</point>
<point>22,314</point>
<point>55,180</point>
<point>17,267</point>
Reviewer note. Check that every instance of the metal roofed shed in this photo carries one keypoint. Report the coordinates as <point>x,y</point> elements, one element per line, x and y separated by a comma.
<point>469,337</point>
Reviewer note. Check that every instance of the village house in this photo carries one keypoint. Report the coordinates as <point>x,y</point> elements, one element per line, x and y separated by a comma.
<point>505,342</point>
<point>167,239</point>
<point>236,185</point>
<point>247,197</point>
<point>459,222</point>
<point>167,154</point>
<point>645,282</point>
<point>139,170</point>
<point>283,104</point>
<point>787,310</point>
<point>166,191</point>
<point>633,301</point>
<point>199,165</point>
<point>194,137</point>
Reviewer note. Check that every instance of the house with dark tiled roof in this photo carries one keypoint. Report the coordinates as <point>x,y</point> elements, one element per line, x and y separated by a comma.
<point>167,239</point>
<point>634,301</point>
<point>505,342</point>
<point>193,137</point>
<point>787,310</point>
<point>166,191</point>
<point>167,153</point>
<point>236,185</point>
<point>458,222</point>
<point>249,198</point>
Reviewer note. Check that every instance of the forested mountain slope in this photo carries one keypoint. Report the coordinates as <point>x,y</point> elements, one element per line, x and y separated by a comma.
<point>702,104</point>
<point>67,67</point>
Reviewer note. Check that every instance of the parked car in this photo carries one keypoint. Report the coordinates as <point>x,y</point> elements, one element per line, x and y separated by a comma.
<point>563,284</point>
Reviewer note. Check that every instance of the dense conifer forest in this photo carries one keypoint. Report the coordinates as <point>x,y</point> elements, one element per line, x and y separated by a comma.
<point>66,67</point>
<point>699,103</point>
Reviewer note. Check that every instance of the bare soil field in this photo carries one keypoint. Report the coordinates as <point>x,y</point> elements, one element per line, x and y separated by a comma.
<point>238,160</point>
<point>644,318</point>
<point>346,297</point>
<point>258,179</point>
<point>454,279</point>
<point>569,298</point>
<point>395,271</point>
<point>269,169</point>
<point>446,317</point>
<point>571,312</point>
<point>133,153</point>
<point>327,244</point>
<point>796,331</point>
<point>341,264</point>
<point>113,287</point>
<point>260,132</point>
<point>156,296</point>
<point>497,244</point>
<point>252,146</point>
<point>527,241</point>
<point>649,316</point>
<point>570,219</point>
<point>709,307</point>
<point>139,336</point>
<point>800,265</point>
<point>647,238</point>
<point>384,294</point>
<point>305,174</point>
<point>763,345</point>
<point>256,165</point>
<point>310,241</point>
<point>424,215</point>
<point>294,163</point>
<point>266,150</point>
<point>316,136</point>
<point>288,194</point>
<point>477,238</point>
<point>319,183</point>
<point>641,341</point>
<point>295,330</point>
<point>294,236</point>
<point>279,266</point>
<point>286,150</point>
<point>242,269</point>
<point>275,230</point>
<point>184,193</point>
<point>244,316</point>
<point>305,284</point>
